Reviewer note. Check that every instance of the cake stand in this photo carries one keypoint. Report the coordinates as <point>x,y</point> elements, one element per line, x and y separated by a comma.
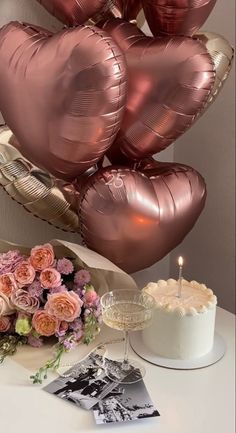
<point>217,352</point>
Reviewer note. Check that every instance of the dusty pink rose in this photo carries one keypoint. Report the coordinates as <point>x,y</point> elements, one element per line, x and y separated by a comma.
<point>7,284</point>
<point>44,323</point>
<point>23,301</point>
<point>5,323</point>
<point>63,328</point>
<point>65,306</point>
<point>50,278</point>
<point>9,261</point>
<point>24,273</point>
<point>42,257</point>
<point>6,306</point>
<point>90,297</point>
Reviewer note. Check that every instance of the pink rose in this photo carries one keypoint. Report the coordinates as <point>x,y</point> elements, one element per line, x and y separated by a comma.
<point>6,306</point>
<point>5,323</point>
<point>90,297</point>
<point>50,278</point>
<point>63,328</point>
<point>44,323</point>
<point>42,257</point>
<point>24,273</point>
<point>24,301</point>
<point>65,306</point>
<point>7,284</point>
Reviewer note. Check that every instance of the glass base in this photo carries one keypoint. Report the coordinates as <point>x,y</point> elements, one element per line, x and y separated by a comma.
<point>124,372</point>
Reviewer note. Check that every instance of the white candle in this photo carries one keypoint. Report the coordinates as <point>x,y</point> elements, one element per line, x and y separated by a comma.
<point>180,281</point>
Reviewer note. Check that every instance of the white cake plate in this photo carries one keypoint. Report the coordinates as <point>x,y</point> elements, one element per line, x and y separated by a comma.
<point>217,352</point>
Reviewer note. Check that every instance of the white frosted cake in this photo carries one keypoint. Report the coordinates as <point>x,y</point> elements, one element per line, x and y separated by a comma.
<point>182,327</point>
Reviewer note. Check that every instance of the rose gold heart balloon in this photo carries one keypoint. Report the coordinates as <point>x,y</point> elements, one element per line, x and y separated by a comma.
<point>73,12</point>
<point>62,95</point>
<point>176,17</point>
<point>170,80</point>
<point>136,217</point>
<point>126,9</point>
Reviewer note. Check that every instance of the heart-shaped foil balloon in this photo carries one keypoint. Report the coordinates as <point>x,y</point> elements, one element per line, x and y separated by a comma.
<point>222,55</point>
<point>73,12</point>
<point>170,80</point>
<point>62,95</point>
<point>176,17</point>
<point>34,189</point>
<point>134,217</point>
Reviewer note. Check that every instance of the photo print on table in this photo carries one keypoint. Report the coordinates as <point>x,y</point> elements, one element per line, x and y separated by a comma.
<point>87,386</point>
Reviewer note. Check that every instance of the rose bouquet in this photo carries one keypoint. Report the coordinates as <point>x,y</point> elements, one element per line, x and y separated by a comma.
<point>43,296</point>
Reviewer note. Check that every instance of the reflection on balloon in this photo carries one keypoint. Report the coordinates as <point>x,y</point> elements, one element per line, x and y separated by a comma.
<point>66,122</point>
<point>73,12</point>
<point>134,217</point>
<point>222,55</point>
<point>126,9</point>
<point>176,17</point>
<point>170,80</point>
<point>34,189</point>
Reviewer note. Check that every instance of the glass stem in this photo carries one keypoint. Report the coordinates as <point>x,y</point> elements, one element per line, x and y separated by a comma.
<point>126,361</point>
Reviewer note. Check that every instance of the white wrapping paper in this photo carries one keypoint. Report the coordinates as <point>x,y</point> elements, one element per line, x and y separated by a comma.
<point>105,277</point>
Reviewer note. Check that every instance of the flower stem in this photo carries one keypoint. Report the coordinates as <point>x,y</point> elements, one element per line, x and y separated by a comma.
<point>52,364</point>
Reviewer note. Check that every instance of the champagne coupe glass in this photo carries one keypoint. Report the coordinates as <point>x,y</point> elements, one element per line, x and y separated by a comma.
<point>126,310</point>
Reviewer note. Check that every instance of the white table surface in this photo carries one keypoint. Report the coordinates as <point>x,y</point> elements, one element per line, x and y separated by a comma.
<point>197,401</point>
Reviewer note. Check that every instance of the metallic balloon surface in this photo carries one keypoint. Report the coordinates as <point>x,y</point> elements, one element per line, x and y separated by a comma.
<point>62,95</point>
<point>222,55</point>
<point>126,9</point>
<point>176,17</point>
<point>134,217</point>
<point>35,190</point>
<point>170,80</point>
<point>73,12</point>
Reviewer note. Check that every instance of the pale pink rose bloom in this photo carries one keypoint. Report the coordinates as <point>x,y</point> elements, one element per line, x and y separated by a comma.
<point>64,326</point>
<point>65,306</point>
<point>42,257</point>
<point>5,323</point>
<point>23,301</point>
<point>24,273</point>
<point>44,323</point>
<point>6,306</point>
<point>9,261</point>
<point>7,284</point>
<point>50,278</point>
<point>90,297</point>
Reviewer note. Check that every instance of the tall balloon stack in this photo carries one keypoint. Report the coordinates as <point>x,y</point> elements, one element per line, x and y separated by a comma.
<point>101,87</point>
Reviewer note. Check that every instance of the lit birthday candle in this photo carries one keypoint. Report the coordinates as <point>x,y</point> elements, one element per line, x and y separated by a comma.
<point>180,281</point>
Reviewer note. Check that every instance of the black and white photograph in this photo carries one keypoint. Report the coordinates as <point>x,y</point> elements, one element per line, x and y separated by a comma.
<point>129,403</point>
<point>87,386</point>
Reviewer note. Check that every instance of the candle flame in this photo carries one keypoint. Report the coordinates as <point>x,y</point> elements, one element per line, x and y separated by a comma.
<point>180,261</point>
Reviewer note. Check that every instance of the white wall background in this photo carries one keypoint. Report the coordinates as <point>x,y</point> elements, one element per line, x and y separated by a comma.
<point>208,147</point>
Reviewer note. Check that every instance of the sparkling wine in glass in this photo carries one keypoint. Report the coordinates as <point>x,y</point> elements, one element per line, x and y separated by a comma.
<point>126,310</point>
